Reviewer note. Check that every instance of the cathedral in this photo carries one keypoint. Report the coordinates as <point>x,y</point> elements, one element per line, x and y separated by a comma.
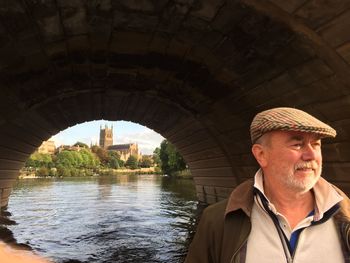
<point>124,150</point>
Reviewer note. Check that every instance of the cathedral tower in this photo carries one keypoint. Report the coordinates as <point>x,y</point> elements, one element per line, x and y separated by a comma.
<point>106,137</point>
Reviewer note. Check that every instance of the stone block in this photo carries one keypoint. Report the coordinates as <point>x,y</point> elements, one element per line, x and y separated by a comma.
<point>141,6</point>
<point>199,188</point>
<point>243,172</point>
<point>212,172</point>
<point>344,186</point>
<point>7,183</point>
<point>211,199</point>
<point>223,192</point>
<point>212,39</point>
<point>316,13</point>
<point>9,174</point>
<point>288,6</point>
<point>336,152</point>
<point>280,85</point>
<point>178,47</point>
<point>208,163</point>
<point>186,128</point>
<point>13,154</point>
<point>207,10</point>
<point>73,15</point>
<point>129,42</point>
<point>217,181</point>
<point>344,51</point>
<point>195,137</point>
<point>335,110</point>
<point>4,203</point>
<point>78,44</point>
<point>227,18</point>
<point>209,190</point>
<point>198,147</point>
<point>11,165</point>
<point>336,32</point>
<point>336,172</point>
<point>310,71</point>
<point>245,159</point>
<point>6,192</point>
<point>343,130</point>
<point>201,197</point>
<point>51,28</point>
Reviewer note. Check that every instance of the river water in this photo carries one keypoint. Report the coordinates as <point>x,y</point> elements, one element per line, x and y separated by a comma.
<point>123,218</point>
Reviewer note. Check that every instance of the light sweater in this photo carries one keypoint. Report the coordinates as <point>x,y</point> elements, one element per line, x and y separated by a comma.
<point>317,243</point>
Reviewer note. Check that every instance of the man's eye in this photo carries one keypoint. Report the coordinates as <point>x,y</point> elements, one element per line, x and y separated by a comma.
<point>316,144</point>
<point>297,145</point>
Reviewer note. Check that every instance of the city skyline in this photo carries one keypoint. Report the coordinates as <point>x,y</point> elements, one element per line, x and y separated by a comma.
<point>123,132</point>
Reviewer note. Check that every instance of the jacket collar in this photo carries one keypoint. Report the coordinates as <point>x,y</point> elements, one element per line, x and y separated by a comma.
<point>242,197</point>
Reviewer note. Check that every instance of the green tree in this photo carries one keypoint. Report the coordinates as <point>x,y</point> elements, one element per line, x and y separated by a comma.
<point>89,159</point>
<point>65,159</point>
<point>156,157</point>
<point>63,171</point>
<point>132,162</point>
<point>43,171</point>
<point>82,145</point>
<point>114,163</point>
<point>38,160</point>
<point>74,159</point>
<point>121,163</point>
<point>171,160</point>
<point>113,160</point>
<point>102,154</point>
<point>146,162</point>
<point>94,148</point>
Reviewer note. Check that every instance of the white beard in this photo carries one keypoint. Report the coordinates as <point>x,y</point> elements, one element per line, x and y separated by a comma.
<point>302,186</point>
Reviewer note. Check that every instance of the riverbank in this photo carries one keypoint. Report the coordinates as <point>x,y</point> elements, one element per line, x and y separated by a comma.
<point>107,171</point>
<point>29,174</point>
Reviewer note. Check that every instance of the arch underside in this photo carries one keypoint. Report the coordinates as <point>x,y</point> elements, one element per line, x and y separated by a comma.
<point>194,71</point>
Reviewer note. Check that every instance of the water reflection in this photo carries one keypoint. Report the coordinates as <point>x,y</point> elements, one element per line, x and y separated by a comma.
<point>105,219</point>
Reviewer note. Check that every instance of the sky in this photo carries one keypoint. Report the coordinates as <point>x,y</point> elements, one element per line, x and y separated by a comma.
<point>123,132</point>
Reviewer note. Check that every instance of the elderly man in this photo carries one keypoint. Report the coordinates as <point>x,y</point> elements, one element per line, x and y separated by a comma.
<point>288,213</point>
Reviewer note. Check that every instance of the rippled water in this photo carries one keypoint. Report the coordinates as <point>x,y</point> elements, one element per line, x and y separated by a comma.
<point>105,219</point>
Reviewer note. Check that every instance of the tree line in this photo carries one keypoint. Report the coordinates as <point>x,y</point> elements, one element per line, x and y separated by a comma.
<point>89,161</point>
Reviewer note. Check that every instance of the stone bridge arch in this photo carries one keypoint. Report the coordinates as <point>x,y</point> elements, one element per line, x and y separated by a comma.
<point>196,71</point>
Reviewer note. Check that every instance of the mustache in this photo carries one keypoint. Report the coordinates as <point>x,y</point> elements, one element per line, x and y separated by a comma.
<point>306,165</point>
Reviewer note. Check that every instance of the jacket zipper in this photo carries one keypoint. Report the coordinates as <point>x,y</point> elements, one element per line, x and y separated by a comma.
<point>239,248</point>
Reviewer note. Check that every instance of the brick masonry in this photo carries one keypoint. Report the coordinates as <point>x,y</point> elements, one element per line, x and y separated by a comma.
<point>194,71</point>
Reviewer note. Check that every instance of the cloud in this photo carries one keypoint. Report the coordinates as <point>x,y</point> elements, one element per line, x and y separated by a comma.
<point>146,139</point>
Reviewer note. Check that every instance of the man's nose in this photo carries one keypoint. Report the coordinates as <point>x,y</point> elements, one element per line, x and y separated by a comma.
<point>309,152</point>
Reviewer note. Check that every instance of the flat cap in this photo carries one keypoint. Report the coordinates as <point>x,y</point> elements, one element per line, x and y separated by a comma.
<point>288,119</point>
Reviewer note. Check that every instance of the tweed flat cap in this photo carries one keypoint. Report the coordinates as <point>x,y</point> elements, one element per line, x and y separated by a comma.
<point>288,119</point>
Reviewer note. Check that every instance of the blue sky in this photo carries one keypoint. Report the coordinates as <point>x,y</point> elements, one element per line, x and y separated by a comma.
<point>123,132</point>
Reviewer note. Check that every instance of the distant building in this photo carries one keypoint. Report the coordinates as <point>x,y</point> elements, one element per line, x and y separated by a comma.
<point>47,147</point>
<point>106,137</point>
<point>68,148</point>
<point>124,150</point>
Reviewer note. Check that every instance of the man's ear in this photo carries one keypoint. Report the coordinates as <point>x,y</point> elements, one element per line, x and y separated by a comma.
<point>259,153</point>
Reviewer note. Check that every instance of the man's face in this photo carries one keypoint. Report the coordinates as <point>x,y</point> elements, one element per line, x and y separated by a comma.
<point>293,160</point>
